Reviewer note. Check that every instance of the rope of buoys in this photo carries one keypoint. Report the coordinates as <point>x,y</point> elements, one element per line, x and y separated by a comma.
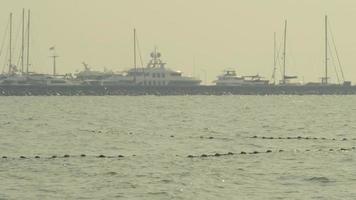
<point>189,156</point>
<point>261,152</point>
<point>64,156</point>
<point>300,138</point>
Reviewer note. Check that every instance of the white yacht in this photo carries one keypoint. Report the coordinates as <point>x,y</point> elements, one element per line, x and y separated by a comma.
<point>154,74</point>
<point>230,78</point>
<point>36,80</point>
<point>91,77</point>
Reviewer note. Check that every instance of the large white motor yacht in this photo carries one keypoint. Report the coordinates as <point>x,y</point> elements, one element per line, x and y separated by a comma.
<point>154,74</point>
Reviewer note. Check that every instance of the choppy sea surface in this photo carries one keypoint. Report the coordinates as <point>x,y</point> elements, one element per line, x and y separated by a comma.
<point>157,134</point>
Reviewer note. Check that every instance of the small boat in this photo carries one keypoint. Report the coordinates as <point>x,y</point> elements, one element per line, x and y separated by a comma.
<point>230,78</point>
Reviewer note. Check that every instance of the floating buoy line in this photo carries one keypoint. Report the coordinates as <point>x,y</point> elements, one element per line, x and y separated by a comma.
<point>63,156</point>
<point>101,156</point>
<point>300,138</point>
<point>269,151</point>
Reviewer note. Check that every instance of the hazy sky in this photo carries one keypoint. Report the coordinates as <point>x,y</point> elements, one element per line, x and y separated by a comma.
<point>193,35</point>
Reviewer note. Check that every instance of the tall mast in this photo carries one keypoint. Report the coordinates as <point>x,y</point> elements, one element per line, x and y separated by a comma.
<point>284,52</point>
<point>135,64</point>
<point>23,41</point>
<point>326,50</point>
<point>274,59</point>
<point>10,44</point>
<point>28,43</point>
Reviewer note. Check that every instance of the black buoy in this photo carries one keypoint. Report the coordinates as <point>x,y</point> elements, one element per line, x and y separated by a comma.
<point>254,136</point>
<point>172,136</point>
<point>217,154</point>
<point>299,137</point>
<point>280,138</point>
<point>101,156</point>
<point>280,150</point>
<point>230,153</point>
<point>82,155</point>
<point>211,137</point>
<point>204,155</point>
<point>22,157</point>
<point>66,156</point>
<point>242,152</point>
<point>289,138</point>
<point>37,156</point>
<point>4,157</point>
<point>54,156</point>
<point>255,152</point>
<point>190,156</point>
<point>344,139</point>
<point>269,151</point>
<point>343,149</point>
<point>331,149</point>
<point>120,156</point>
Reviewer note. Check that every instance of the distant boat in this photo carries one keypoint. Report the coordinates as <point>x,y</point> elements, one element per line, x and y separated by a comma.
<point>153,75</point>
<point>36,80</point>
<point>325,79</point>
<point>230,78</point>
<point>22,76</point>
<point>91,77</point>
<point>286,79</point>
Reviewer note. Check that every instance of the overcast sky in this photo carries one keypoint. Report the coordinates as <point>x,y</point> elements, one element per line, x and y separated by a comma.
<point>194,36</point>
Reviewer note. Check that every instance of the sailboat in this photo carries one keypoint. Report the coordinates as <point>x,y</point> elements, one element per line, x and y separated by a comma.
<point>20,77</point>
<point>325,80</point>
<point>286,79</point>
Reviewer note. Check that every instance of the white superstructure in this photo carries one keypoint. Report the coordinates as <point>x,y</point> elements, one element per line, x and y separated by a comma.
<point>155,74</point>
<point>230,78</point>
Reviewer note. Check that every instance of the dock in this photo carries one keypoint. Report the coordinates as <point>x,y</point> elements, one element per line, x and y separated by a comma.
<point>86,90</point>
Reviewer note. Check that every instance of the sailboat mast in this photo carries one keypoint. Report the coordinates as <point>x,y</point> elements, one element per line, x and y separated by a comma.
<point>284,51</point>
<point>326,50</point>
<point>274,58</point>
<point>23,41</point>
<point>10,45</point>
<point>28,43</point>
<point>135,63</point>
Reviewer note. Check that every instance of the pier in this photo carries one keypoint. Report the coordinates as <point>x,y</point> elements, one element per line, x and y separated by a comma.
<point>86,90</point>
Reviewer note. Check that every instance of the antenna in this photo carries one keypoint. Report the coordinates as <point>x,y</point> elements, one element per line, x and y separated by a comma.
<point>54,56</point>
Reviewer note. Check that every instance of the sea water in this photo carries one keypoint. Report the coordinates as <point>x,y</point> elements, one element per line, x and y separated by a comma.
<point>155,135</point>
